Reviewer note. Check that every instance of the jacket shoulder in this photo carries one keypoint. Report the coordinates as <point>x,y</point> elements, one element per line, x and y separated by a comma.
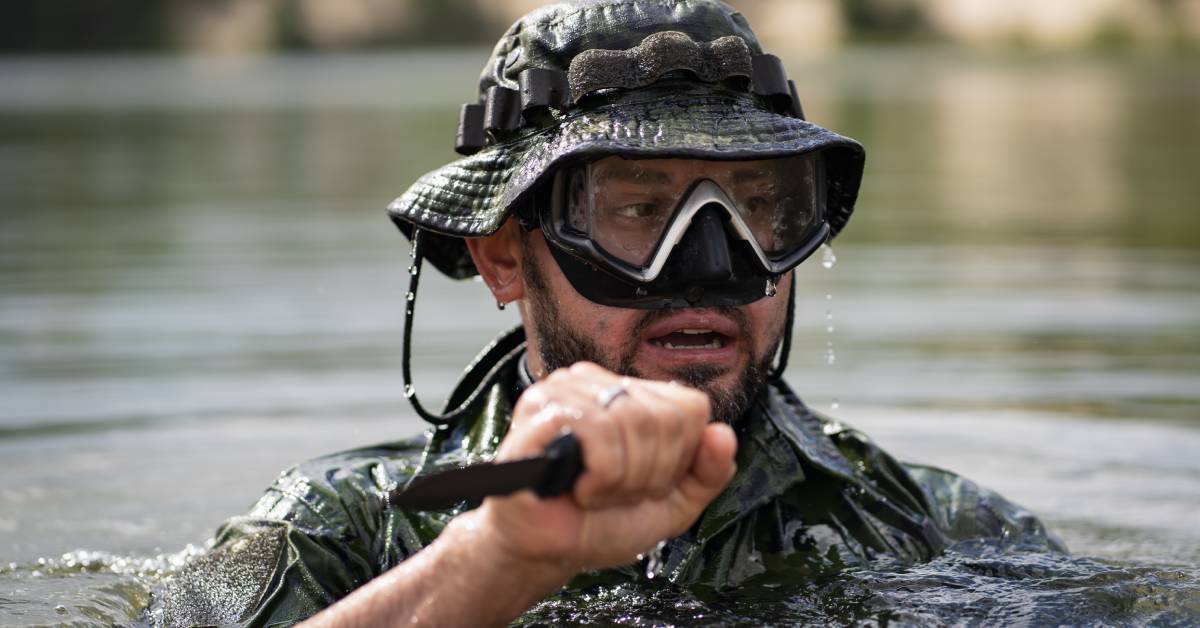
<point>966,510</point>
<point>320,531</point>
<point>332,493</point>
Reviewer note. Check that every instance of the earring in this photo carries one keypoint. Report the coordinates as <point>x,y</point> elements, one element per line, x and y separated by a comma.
<point>500,305</point>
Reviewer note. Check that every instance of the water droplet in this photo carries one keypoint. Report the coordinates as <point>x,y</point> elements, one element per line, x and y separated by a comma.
<point>409,391</point>
<point>410,297</point>
<point>828,259</point>
<point>829,329</point>
<point>829,296</point>
<point>654,561</point>
<point>771,287</point>
<point>412,270</point>
<point>830,358</point>
<point>835,405</point>
<point>60,609</point>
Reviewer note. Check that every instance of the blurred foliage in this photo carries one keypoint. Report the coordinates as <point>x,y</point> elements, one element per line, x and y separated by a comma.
<point>71,25</point>
<point>33,26</point>
<point>138,25</point>
<point>880,20</point>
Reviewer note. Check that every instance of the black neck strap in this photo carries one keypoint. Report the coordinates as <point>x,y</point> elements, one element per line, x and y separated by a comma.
<point>785,346</point>
<point>480,375</point>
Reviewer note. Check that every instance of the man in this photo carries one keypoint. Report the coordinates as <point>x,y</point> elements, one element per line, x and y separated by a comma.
<point>640,181</point>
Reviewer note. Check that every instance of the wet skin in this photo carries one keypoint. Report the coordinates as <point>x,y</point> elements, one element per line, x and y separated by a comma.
<point>653,458</point>
<point>661,345</point>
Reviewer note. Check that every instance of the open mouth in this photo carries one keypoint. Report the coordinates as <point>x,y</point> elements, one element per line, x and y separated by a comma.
<point>691,339</point>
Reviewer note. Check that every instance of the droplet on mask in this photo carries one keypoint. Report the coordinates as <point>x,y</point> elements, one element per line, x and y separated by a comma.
<point>828,259</point>
<point>772,289</point>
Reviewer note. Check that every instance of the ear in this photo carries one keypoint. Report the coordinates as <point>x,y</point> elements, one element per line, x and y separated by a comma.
<point>498,259</point>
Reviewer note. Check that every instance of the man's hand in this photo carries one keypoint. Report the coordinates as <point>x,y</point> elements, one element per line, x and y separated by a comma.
<point>652,462</point>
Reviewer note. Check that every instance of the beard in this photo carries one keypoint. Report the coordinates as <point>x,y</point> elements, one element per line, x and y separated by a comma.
<point>560,346</point>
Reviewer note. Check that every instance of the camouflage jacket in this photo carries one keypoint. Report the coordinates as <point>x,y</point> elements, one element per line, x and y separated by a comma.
<point>811,497</point>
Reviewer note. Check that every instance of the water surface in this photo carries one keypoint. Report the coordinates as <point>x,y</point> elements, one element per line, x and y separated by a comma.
<point>198,288</point>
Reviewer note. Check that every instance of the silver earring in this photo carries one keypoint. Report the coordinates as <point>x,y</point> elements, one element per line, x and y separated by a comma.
<point>500,305</point>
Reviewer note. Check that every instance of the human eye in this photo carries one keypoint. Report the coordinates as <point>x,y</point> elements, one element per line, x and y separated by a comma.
<point>758,204</point>
<point>637,210</point>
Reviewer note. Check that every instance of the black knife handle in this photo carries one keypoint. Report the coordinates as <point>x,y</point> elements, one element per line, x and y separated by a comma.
<point>566,466</point>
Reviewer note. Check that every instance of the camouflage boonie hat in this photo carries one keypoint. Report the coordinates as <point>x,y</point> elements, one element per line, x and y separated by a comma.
<point>584,79</point>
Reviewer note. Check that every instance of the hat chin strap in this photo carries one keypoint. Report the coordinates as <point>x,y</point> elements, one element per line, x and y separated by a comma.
<point>473,388</point>
<point>785,345</point>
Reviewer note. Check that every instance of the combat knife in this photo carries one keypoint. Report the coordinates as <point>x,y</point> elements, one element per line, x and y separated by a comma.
<point>550,474</point>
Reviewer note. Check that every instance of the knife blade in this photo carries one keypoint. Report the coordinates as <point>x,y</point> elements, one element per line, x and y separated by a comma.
<point>550,474</point>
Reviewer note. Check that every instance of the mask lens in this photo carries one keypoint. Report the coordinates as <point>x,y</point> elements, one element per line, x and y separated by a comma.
<point>625,206</point>
<point>778,200</point>
<point>632,203</point>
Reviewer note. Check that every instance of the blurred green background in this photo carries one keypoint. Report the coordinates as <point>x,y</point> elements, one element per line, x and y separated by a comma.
<point>249,25</point>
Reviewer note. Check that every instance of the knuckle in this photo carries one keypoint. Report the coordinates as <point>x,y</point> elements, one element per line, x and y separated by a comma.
<point>609,475</point>
<point>674,424</point>
<point>584,368</point>
<point>660,490</point>
<point>531,400</point>
<point>643,425</point>
<point>698,403</point>
<point>559,376</point>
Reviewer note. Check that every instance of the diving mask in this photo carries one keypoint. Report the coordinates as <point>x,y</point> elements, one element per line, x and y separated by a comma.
<point>660,233</point>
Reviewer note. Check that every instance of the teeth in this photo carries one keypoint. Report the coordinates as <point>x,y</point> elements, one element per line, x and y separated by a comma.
<point>695,332</point>
<point>715,344</point>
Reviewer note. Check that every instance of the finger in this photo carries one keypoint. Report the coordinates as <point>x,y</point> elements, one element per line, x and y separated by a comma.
<point>639,427</point>
<point>693,409</point>
<point>710,472</point>
<point>530,436</point>
<point>673,452</point>
<point>602,445</point>
<point>624,480</point>
<point>560,400</point>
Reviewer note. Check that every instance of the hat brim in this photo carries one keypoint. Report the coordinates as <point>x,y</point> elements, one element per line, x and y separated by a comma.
<point>473,196</point>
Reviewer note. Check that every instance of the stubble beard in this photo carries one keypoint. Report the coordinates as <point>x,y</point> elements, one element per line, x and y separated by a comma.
<point>560,346</point>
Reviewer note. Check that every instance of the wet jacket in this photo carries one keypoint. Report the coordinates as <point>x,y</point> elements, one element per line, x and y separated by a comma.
<point>811,497</point>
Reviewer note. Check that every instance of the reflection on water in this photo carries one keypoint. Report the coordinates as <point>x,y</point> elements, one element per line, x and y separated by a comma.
<point>196,279</point>
<point>972,583</point>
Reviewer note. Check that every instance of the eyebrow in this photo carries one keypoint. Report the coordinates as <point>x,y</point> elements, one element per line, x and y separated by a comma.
<point>634,174</point>
<point>746,175</point>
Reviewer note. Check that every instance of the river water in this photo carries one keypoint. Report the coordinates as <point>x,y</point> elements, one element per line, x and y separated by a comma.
<point>198,288</point>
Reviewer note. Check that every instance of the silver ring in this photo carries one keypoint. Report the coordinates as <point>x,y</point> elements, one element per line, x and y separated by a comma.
<point>607,396</point>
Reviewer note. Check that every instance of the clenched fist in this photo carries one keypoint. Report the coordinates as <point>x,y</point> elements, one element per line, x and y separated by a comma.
<point>652,463</point>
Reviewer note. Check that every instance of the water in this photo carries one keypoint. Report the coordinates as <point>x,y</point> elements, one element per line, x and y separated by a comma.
<point>198,287</point>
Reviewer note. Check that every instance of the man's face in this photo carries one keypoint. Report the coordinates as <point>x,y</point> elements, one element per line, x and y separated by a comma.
<point>726,352</point>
